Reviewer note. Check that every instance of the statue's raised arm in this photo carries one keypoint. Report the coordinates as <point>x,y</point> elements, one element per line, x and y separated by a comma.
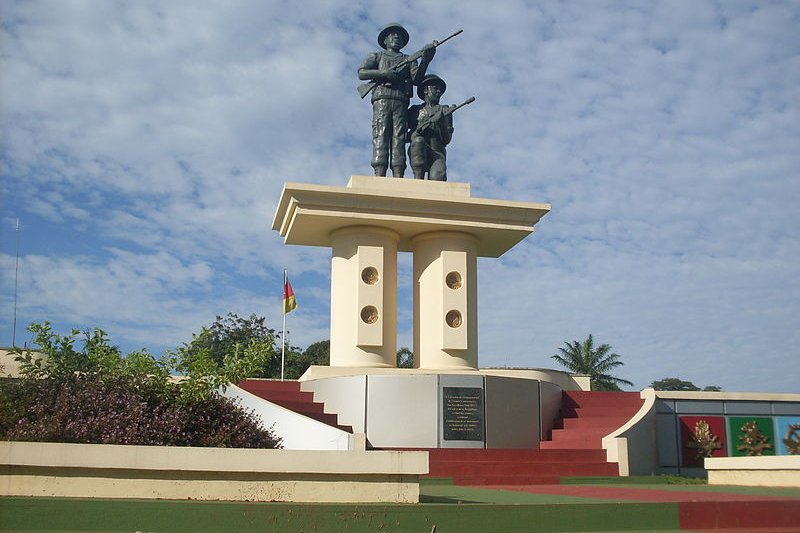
<point>365,88</point>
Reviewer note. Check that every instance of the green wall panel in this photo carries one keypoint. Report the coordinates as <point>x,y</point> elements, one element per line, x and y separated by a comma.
<point>762,439</point>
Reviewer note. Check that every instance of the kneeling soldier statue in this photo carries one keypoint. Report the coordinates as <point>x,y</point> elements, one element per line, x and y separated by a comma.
<point>430,130</point>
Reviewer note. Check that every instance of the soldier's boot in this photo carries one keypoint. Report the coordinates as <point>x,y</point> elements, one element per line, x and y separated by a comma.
<point>419,173</point>
<point>398,172</point>
<point>380,171</point>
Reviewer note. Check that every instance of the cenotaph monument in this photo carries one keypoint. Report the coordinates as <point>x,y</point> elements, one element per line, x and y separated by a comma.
<point>445,400</point>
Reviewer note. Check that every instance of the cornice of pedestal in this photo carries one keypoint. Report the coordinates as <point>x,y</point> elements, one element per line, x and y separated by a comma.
<point>308,214</point>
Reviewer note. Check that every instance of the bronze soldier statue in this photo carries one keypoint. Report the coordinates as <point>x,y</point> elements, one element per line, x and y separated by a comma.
<point>392,76</point>
<point>430,127</point>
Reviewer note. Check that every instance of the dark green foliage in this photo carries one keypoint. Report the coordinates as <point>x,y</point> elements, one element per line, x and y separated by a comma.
<point>405,358</point>
<point>229,336</point>
<point>583,358</point>
<point>95,395</point>
<point>124,410</point>
<point>318,353</point>
<point>298,362</point>
<point>676,384</point>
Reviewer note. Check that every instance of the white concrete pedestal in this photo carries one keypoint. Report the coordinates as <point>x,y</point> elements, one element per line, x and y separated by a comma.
<point>366,223</point>
<point>445,300</point>
<point>364,297</point>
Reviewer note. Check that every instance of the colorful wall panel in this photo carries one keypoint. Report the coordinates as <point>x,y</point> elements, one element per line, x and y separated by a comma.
<point>701,435</point>
<point>788,435</point>
<point>751,435</point>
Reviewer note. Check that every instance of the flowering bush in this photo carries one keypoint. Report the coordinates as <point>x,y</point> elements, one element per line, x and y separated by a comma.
<point>98,396</point>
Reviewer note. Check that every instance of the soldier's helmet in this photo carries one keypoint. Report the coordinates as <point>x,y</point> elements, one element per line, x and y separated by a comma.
<point>430,79</point>
<point>389,27</point>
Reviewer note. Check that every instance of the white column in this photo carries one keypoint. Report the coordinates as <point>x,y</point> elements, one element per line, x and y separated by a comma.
<point>364,297</point>
<point>445,300</point>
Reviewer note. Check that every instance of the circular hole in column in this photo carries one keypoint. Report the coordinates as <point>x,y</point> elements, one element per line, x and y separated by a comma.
<point>370,275</point>
<point>453,280</point>
<point>453,319</point>
<point>369,314</point>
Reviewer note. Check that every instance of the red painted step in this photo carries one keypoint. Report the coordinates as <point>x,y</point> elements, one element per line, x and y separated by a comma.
<point>596,411</point>
<point>600,399</point>
<point>588,416</point>
<point>510,469</point>
<point>479,466</point>
<point>515,454</point>
<point>288,394</point>
<point>592,422</point>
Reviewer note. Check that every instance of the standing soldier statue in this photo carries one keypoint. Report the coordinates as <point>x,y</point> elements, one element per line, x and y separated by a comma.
<point>391,77</point>
<point>430,127</point>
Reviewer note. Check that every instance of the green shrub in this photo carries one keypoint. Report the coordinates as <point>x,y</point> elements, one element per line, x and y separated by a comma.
<point>95,395</point>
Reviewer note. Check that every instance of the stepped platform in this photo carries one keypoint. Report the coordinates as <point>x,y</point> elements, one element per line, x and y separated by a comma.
<point>480,466</point>
<point>288,394</point>
<point>588,416</point>
<point>574,450</point>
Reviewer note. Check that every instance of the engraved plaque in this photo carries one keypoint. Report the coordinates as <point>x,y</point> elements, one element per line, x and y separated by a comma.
<point>462,413</point>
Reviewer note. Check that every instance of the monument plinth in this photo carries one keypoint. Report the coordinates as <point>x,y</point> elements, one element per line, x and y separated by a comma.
<point>365,224</point>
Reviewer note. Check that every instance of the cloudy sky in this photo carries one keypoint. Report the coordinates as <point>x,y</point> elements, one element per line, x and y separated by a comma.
<point>144,144</point>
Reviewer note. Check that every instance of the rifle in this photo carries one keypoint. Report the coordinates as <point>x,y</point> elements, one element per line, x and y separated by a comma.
<point>439,115</point>
<point>365,88</point>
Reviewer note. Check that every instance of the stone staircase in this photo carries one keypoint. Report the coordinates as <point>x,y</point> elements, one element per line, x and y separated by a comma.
<point>288,394</point>
<point>575,449</point>
<point>587,417</point>
<point>488,466</point>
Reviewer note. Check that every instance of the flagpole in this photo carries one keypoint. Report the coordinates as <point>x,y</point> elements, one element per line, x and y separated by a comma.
<point>283,337</point>
<point>16,284</point>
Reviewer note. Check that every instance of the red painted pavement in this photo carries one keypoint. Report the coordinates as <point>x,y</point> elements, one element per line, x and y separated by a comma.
<point>706,511</point>
<point>752,515</point>
<point>637,494</point>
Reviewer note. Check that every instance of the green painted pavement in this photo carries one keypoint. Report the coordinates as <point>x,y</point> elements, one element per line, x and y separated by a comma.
<point>56,514</point>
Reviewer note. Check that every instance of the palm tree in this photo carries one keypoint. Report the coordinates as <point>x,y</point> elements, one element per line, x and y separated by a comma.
<point>584,358</point>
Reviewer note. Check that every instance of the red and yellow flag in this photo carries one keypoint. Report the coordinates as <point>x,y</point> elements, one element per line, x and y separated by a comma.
<point>289,301</point>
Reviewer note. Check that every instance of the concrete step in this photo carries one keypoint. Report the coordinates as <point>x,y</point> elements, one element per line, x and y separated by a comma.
<point>598,412</point>
<point>573,443</point>
<point>287,394</point>
<point>593,422</point>
<point>600,399</point>
<point>459,469</point>
<point>514,454</point>
<point>271,385</point>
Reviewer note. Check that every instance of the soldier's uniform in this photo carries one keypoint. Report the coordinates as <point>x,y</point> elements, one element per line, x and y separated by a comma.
<point>428,152</point>
<point>390,105</point>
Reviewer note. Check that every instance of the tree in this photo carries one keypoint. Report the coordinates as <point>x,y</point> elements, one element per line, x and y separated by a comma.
<point>230,336</point>
<point>677,384</point>
<point>318,353</point>
<point>674,384</point>
<point>584,358</point>
<point>405,358</point>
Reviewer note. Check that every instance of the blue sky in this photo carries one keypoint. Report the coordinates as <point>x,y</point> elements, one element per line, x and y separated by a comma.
<point>143,145</point>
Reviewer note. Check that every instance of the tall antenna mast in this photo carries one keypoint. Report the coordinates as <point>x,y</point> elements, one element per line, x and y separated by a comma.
<point>16,284</point>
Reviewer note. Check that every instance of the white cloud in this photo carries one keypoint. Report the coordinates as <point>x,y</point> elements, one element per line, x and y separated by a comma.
<point>145,145</point>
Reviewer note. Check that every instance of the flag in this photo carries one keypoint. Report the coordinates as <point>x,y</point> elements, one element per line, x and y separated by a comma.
<point>289,301</point>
